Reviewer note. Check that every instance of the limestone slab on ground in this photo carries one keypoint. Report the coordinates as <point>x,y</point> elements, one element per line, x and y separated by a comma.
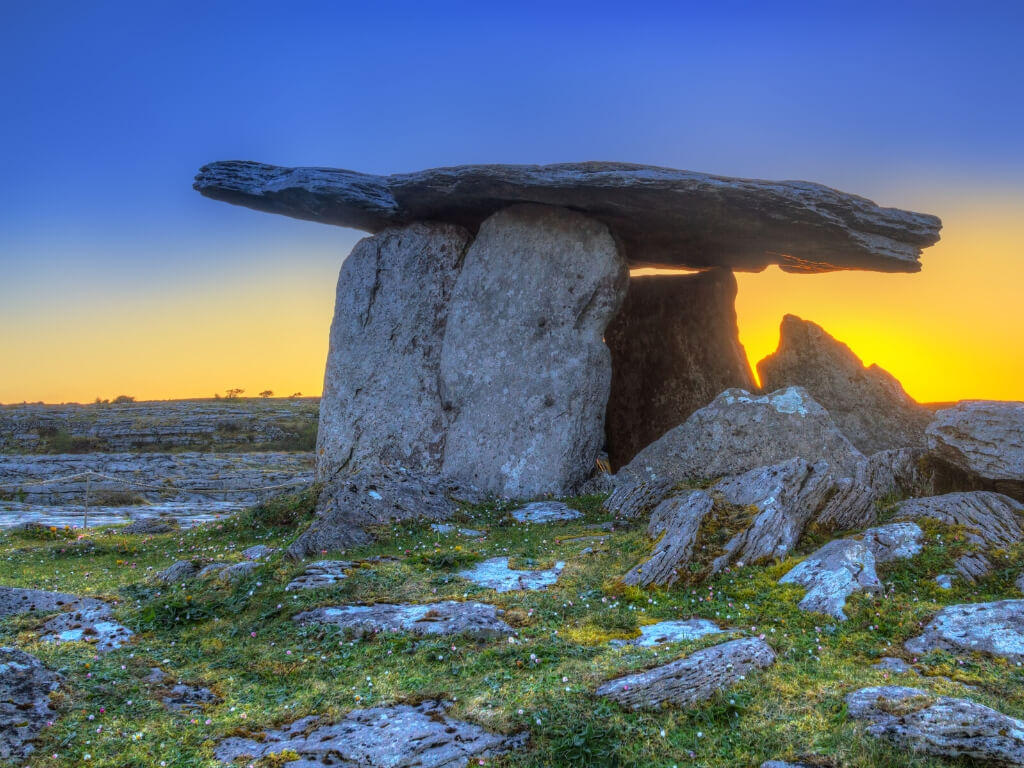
<point>994,628</point>
<point>91,621</point>
<point>322,573</point>
<point>496,574</point>
<point>446,528</point>
<point>939,725</point>
<point>675,632</point>
<point>402,735</point>
<point>15,601</point>
<point>692,679</point>
<point>25,688</point>
<point>545,512</point>
<point>476,620</point>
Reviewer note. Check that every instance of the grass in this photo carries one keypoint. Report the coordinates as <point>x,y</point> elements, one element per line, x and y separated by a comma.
<point>239,640</point>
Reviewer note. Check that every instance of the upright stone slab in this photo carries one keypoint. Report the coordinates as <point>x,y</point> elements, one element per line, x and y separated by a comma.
<point>675,345</point>
<point>381,400</point>
<point>525,373</point>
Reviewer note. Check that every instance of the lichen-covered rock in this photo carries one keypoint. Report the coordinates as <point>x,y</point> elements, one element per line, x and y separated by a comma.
<point>238,571</point>
<point>322,573</point>
<point>692,679</point>
<point>476,620</point>
<point>939,725</point>
<point>895,541</point>
<point>496,574</point>
<point>868,404</point>
<point>996,629</point>
<point>984,438</point>
<point>545,512</point>
<point>401,735</point>
<point>525,373</point>
<point>447,528</point>
<point>176,573</point>
<point>89,621</point>
<point>675,524</point>
<point>25,688</point>
<point>832,574</point>
<point>382,399</point>
<point>258,552</point>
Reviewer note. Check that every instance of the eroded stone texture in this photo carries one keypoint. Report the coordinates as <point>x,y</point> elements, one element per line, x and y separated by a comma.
<point>15,601</point>
<point>939,725</point>
<point>381,400</point>
<point>868,404</point>
<point>690,680</point>
<point>675,632</point>
<point>402,735</point>
<point>675,346</point>
<point>525,373</point>
<point>895,541</point>
<point>984,438</point>
<point>496,574</point>
<point>25,688</point>
<point>993,628</point>
<point>674,524</point>
<point>545,512</point>
<point>476,620</point>
<point>90,621</point>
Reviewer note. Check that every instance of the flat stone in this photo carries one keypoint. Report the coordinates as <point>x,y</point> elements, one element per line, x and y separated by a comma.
<point>150,526</point>
<point>675,632</point>
<point>784,764</point>
<point>939,725</point>
<point>545,512</point>
<point>895,541</point>
<point>25,709</point>
<point>89,622</point>
<point>476,620</point>
<point>690,680</point>
<point>868,404</point>
<point>983,437</point>
<point>495,574</point>
<point>258,552</point>
<point>525,373</point>
<point>664,217</point>
<point>15,601</point>
<point>895,665</point>
<point>401,735</point>
<point>996,629</point>
<point>445,528</point>
<point>184,697</point>
<point>322,573</point>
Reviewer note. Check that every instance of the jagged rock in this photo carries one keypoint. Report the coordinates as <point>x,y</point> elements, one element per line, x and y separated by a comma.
<point>939,725</point>
<point>423,736</point>
<point>382,399</point>
<point>25,688</point>
<point>258,552</point>
<point>868,404</point>
<point>322,573</point>
<point>675,632</point>
<point>89,621</point>
<point>476,620</point>
<point>495,574</point>
<point>895,665</point>
<point>984,438</point>
<point>175,573</point>
<point>675,345</point>
<point>995,628</point>
<point>674,524</point>
<point>149,526</point>
<point>183,696</point>
<point>525,373</point>
<point>545,512</point>
<point>445,528</point>
<point>664,217</point>
<point>692,679</point>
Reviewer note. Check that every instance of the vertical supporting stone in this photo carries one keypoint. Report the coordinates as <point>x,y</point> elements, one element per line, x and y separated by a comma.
<point>675,346</point>
<point>525,371</point>
<point>381,400</point>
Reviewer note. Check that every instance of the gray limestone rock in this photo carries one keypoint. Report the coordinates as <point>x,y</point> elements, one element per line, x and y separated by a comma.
<point>175,573</point>
<point>476,620</point>
<point>238,571</point>
<point>525,373</point>
<point>258,552</point>
<point>784,764</point>
<point>446,528</point>
<point>495,574</point>
<point>211,570</point>
<point>939,725</point>
<point>1019,583</point>
<point>322,573</point>
<point>675,632</point>
<point>400,735</point>
<point>89,621</point>
<point>25,688</point>
<point>692,679</point>
<point>867,403</point>
<point>545,512</point>
<point>382,400</point>
<point>675,345</point>
<point>674,524</point>
<point>183,696</point>
<point>149,526</point>
<point>895,665</point>
<point>984,438</point>
<point>944,580</point>
<point>895,541</point>
<point>15,601</point>
<point>995,628</point>
<point>664,217</point>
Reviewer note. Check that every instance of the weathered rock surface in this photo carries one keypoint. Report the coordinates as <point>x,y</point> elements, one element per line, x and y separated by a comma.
<point>89,621</point>
<point>402,735</point>
<point>15,601</point>
<point>176,573</point>
<point>984,438</point>
<point>545,512</point>
<point>525,373</point>
<point>476,620</point>
<point>675,346</point>
<point>382,399</point>
<point>675,632</point>
<point>25,688</point>
<point>895,665</point>
<point>322,573</point>
<point>446,528</point>
<point>258,552</point>
<point>183,696</point>
<point>939,725</point>
<point>674,524</point>
<point>495,574</point>
<point>995,628</point>
<point>895,541</point>
<point>664,217</point>
<point>692,679</point>
<point>151,526</point>
<point>868,404</point>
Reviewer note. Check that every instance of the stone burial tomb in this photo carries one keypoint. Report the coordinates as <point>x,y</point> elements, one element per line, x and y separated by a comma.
<point>488,338</point>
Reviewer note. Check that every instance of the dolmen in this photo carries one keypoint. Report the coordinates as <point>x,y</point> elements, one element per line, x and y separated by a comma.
<point>489,339</point>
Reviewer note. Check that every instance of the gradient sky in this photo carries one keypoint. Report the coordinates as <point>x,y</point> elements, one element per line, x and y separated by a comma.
<point>116,278</point>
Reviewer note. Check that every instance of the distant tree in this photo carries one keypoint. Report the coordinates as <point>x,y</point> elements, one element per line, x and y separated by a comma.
<point>297,394</point>
<point>267,393</point>
<point>232,394</point>
<point>121,399</point>
<point>216,395</point>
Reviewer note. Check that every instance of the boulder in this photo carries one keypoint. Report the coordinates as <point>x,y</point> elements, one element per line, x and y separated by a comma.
<point>421,735</point>
<point>177,572</point>
<point>983,438</point>
<point>674,524</point>
<point>692,679</point>
<point>495,574</point>
<point>675,345</point>
<point>382,400</point>
<point>25,709</point>
<point>663,216</point>
<point>525,373</point>
<point>939,725</point>
<point>476,620</point>
<point>868,404</point>
<point>545,512</point>
<point>996,629</point>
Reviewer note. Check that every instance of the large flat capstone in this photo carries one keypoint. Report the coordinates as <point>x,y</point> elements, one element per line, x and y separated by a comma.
<point>663,216</point>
